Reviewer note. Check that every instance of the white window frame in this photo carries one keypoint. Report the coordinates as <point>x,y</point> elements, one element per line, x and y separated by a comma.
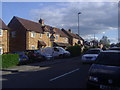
<point>66,39</point>
<point>40,35</point>
<point>57,37</point>
<point>47,34</point>
<point>33,34</point>
<point>32,47</point>
<point>1,32</point>
<point>1,51</point>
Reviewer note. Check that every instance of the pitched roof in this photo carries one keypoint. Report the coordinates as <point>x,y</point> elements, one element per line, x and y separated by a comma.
<point>70,34</point>
<point>30,25</point>
<point>2,25</point>
<point>60,32</point>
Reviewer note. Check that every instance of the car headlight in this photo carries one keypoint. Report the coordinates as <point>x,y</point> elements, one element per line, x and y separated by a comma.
<point>94,58</point>
<point>92,78</point>
<point>83,58</point>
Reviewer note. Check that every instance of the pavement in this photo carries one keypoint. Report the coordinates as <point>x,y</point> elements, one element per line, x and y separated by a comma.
<point>33,66</point>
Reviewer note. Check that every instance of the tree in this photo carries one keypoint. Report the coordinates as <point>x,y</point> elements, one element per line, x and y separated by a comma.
<point>105,41</point>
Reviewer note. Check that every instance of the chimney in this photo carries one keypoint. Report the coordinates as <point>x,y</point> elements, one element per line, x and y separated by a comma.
<point>41,21</point>
<point>69,30</point>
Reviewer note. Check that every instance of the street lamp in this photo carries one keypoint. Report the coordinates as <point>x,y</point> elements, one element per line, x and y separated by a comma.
<point>78,27</point>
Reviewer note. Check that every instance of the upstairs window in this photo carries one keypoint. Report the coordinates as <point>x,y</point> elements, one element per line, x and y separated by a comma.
<point>66,39</point>
<point>13,34</point>
<point>33,34</point>
<point>48,34</point>
<point>1,32</point>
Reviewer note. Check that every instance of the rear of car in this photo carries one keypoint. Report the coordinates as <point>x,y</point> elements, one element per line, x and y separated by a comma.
<point>22,57</point>
<point>33,55</point>
<point>105,73</point>
<point>91,55</point>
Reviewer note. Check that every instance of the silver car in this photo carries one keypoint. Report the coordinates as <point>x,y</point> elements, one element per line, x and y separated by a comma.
<point>91,55</point>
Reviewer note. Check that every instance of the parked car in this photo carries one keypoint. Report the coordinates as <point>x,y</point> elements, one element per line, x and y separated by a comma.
<point>105,73</point>
<point>114,48</point>
<point>56,52</point>
<point>90,55</point>
<point>22,57</point>
<point>45,55</point>
<point>34,55</point>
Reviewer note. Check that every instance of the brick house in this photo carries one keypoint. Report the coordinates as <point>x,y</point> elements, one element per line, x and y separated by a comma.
<point>4,45</point>
<point>26,34</point>
<point>73,38</point>
<point>61,39</point>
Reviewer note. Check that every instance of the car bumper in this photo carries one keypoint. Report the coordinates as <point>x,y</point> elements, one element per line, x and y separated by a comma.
<point>88,61</point>
<point>91,85</point>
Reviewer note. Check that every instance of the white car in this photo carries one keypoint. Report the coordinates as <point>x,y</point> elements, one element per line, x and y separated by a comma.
<point>91,55</point>
<point>56,51</point>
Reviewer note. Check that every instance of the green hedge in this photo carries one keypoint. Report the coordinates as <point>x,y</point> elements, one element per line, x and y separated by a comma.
<point>74,50</point>
<point>9,60</point>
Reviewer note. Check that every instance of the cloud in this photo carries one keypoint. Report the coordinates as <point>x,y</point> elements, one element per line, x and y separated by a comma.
<point>96,17</point>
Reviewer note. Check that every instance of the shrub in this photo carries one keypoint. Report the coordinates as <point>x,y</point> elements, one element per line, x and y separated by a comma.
<point>9,60</point>
<point>74,50</point>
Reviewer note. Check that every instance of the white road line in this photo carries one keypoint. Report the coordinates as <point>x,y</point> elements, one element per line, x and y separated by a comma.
<point>64,74</point>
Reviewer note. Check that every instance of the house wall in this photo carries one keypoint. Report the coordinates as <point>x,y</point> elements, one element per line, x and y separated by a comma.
<point>17,43</point>
<point>61,39</point>
<point>75,41</point>
<point>4,41</point>
<point>33,41</point>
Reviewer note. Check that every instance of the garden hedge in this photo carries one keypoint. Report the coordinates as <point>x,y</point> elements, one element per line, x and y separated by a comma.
<point>9,60</point>
<point>74,50</point>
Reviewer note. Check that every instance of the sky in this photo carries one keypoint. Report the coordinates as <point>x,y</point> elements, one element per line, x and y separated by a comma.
<point>96,18</point>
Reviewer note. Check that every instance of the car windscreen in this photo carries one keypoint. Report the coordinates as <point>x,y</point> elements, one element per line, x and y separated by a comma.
<point>93,52</point>
<point>110,58</point>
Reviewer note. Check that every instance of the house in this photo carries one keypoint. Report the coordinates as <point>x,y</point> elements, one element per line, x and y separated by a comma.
<point>73,38</point>
<point>26,35</point>
<point>4,45</point>
<point>61,39</point>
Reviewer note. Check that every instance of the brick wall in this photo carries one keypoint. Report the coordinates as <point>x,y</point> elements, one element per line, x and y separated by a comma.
<point>4,41</point>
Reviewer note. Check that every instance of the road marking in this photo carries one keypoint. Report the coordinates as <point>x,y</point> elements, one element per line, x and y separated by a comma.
<point>64,74</point>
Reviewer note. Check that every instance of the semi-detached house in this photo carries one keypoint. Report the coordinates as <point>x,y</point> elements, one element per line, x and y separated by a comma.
<point>73,38</point>
<point>26,34</point>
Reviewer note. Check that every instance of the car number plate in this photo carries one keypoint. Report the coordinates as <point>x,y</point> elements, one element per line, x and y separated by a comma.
<point>104,87</point>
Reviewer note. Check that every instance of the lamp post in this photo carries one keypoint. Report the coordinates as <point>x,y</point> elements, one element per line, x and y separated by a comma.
<point>78,27</point>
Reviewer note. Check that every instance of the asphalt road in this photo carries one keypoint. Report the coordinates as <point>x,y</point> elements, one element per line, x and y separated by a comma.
<point>68,74</point>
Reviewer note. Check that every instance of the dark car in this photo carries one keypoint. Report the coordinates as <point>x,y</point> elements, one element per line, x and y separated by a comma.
<point>114,48</point>
<point>22,57</point>
<point>34,55</point>
<point>105,73</point>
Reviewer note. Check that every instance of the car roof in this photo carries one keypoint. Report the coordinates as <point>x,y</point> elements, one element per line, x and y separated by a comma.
<point>115,51</point>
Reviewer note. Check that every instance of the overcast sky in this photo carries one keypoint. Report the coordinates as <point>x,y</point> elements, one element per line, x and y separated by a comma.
<point>99,18</point>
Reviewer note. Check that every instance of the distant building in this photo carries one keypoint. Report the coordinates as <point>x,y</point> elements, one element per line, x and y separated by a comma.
<point>73,38</point>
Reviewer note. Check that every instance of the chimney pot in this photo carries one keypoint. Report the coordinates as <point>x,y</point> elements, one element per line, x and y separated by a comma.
<point>41,21</point>
<point>69,30</point>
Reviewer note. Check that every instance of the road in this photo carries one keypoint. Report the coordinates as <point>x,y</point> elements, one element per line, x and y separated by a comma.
<point>68,74</point>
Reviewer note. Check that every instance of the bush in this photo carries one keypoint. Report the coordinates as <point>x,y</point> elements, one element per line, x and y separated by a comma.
<point>74,50</point>
<point>9,60</point>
